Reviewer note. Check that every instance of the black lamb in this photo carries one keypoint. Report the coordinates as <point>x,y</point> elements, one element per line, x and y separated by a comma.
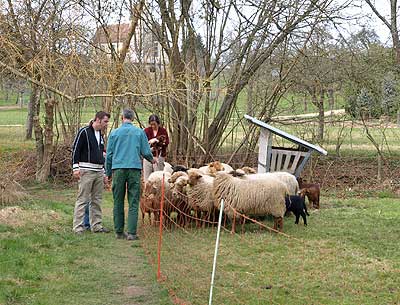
<point>179,168</point>
<point>297,205</point>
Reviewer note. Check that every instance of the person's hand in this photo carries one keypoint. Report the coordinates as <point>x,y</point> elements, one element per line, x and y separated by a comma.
<point>155,161</point>
<point>152,141</point>
<point>76,174</point>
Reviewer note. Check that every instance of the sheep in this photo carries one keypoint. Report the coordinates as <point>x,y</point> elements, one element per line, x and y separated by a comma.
<point>179,196</point>
<point>296,204</point>
<point>248,170</point>
<point>251,197</point>
<point>146,207</point>
<point>312,191</point>
<point>168,168</point>
<point>214,167</point>
<point>288,179</point>
<point>176,175</point>
<point>179,168</point>
<point>200,193</point>
<point>152,192</point>
<point>158,144</point>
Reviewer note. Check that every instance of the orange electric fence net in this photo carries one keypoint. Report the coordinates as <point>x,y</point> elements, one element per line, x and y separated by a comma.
<point>251,264</point>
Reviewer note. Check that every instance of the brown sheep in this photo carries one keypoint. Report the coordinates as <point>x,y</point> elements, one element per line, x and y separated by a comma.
<point>312,191</point>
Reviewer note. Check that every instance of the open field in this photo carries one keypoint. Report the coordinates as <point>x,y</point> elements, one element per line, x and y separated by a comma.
<point>348,254</point>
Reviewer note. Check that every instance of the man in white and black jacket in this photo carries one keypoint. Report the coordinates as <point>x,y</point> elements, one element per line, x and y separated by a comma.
<point>88,167</point>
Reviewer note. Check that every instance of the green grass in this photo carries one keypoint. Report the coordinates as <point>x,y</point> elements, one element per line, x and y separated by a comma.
<point>347,255</point>
<point>43,262</point>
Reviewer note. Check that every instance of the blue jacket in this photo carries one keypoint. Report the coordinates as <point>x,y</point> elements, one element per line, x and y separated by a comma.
<point>126,145</point>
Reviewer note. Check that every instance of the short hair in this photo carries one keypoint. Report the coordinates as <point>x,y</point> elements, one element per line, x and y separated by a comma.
<point>101,114</point>
<point>154,118</point>
<point>128,114</point>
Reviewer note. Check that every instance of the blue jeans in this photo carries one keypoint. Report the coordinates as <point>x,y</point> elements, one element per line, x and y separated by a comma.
<point>86,221</point>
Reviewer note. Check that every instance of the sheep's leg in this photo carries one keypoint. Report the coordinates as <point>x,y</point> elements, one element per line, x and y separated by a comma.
<point>304,217</point>
<point>281,223</point>
<point>198,224</point>
<point>243,224</point>
<point>275,223</point>
<point>317,202</point>
<point>156,218</point>
<point>204,219</point>
<point>297,219</point>
<point>305,209</point>
<point>233,224</point>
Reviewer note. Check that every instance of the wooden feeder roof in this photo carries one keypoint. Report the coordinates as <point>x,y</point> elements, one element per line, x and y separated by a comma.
<point>286,135</point>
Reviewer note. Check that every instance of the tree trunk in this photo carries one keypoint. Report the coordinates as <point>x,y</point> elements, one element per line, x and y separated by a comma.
<point>250,89</point>
<point>33,107</point>
<point>44,141</point>
<point>379,167</point>
<point>398,117</point>
<point>331,99</point>
<point>321,118</point>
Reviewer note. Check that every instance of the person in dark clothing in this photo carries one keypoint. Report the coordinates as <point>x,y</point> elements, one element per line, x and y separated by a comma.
<point>158,140</point>
<point>88,167</point>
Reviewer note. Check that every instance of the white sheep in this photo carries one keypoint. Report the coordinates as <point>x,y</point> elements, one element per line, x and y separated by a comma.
<point>214,167</point>
<point>178,183</point>
<point>168,168</point>
<point>152,193</point>
<point>288,179</point>
<point>251,197</point>
<point>200,193</point>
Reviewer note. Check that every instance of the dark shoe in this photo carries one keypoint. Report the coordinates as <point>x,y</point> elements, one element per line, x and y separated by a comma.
<point>102,230</point>
<point>132,237</point>
<point>121,235</point>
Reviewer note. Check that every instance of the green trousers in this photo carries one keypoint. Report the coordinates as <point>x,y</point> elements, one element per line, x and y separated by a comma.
<point>126,180</point>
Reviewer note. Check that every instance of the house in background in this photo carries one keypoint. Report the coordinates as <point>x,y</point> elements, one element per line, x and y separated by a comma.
<point>144,48</point>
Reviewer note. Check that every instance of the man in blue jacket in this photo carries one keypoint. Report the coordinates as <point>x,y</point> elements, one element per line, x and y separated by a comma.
<point>126,145</point>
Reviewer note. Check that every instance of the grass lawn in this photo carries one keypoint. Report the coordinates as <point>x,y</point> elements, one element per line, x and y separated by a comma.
<point>348,254</point>
<point>43,262</point>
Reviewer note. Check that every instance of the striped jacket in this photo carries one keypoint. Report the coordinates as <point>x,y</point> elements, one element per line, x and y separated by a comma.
<point>86,152</point>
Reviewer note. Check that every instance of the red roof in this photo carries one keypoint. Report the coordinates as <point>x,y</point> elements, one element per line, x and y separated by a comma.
<point>116,33</point>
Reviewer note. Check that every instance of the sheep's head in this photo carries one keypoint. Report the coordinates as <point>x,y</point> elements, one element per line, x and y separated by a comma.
<point>175,176</point>
<point>303,192</point>
<point>237,173</point>
<point>193,176</point>
<point>179,189</point>
<point>179,168</point>
<point>249,170</point>
<point>216,166</point>
<point>161,139</point>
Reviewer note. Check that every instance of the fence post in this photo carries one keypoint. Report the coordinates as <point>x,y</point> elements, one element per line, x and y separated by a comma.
<point>221,209</point>
<point>161,224</point>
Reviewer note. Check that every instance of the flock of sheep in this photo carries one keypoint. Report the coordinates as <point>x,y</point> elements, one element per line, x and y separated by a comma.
<point>196,193</point>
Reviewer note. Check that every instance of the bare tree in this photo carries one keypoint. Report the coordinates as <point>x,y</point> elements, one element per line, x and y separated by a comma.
<point>391,24</point>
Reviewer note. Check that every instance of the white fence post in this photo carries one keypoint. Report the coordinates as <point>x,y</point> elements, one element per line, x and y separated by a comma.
<point>221,210</point>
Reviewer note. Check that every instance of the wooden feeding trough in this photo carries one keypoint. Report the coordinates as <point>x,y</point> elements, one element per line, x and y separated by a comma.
<point>272,159</point>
